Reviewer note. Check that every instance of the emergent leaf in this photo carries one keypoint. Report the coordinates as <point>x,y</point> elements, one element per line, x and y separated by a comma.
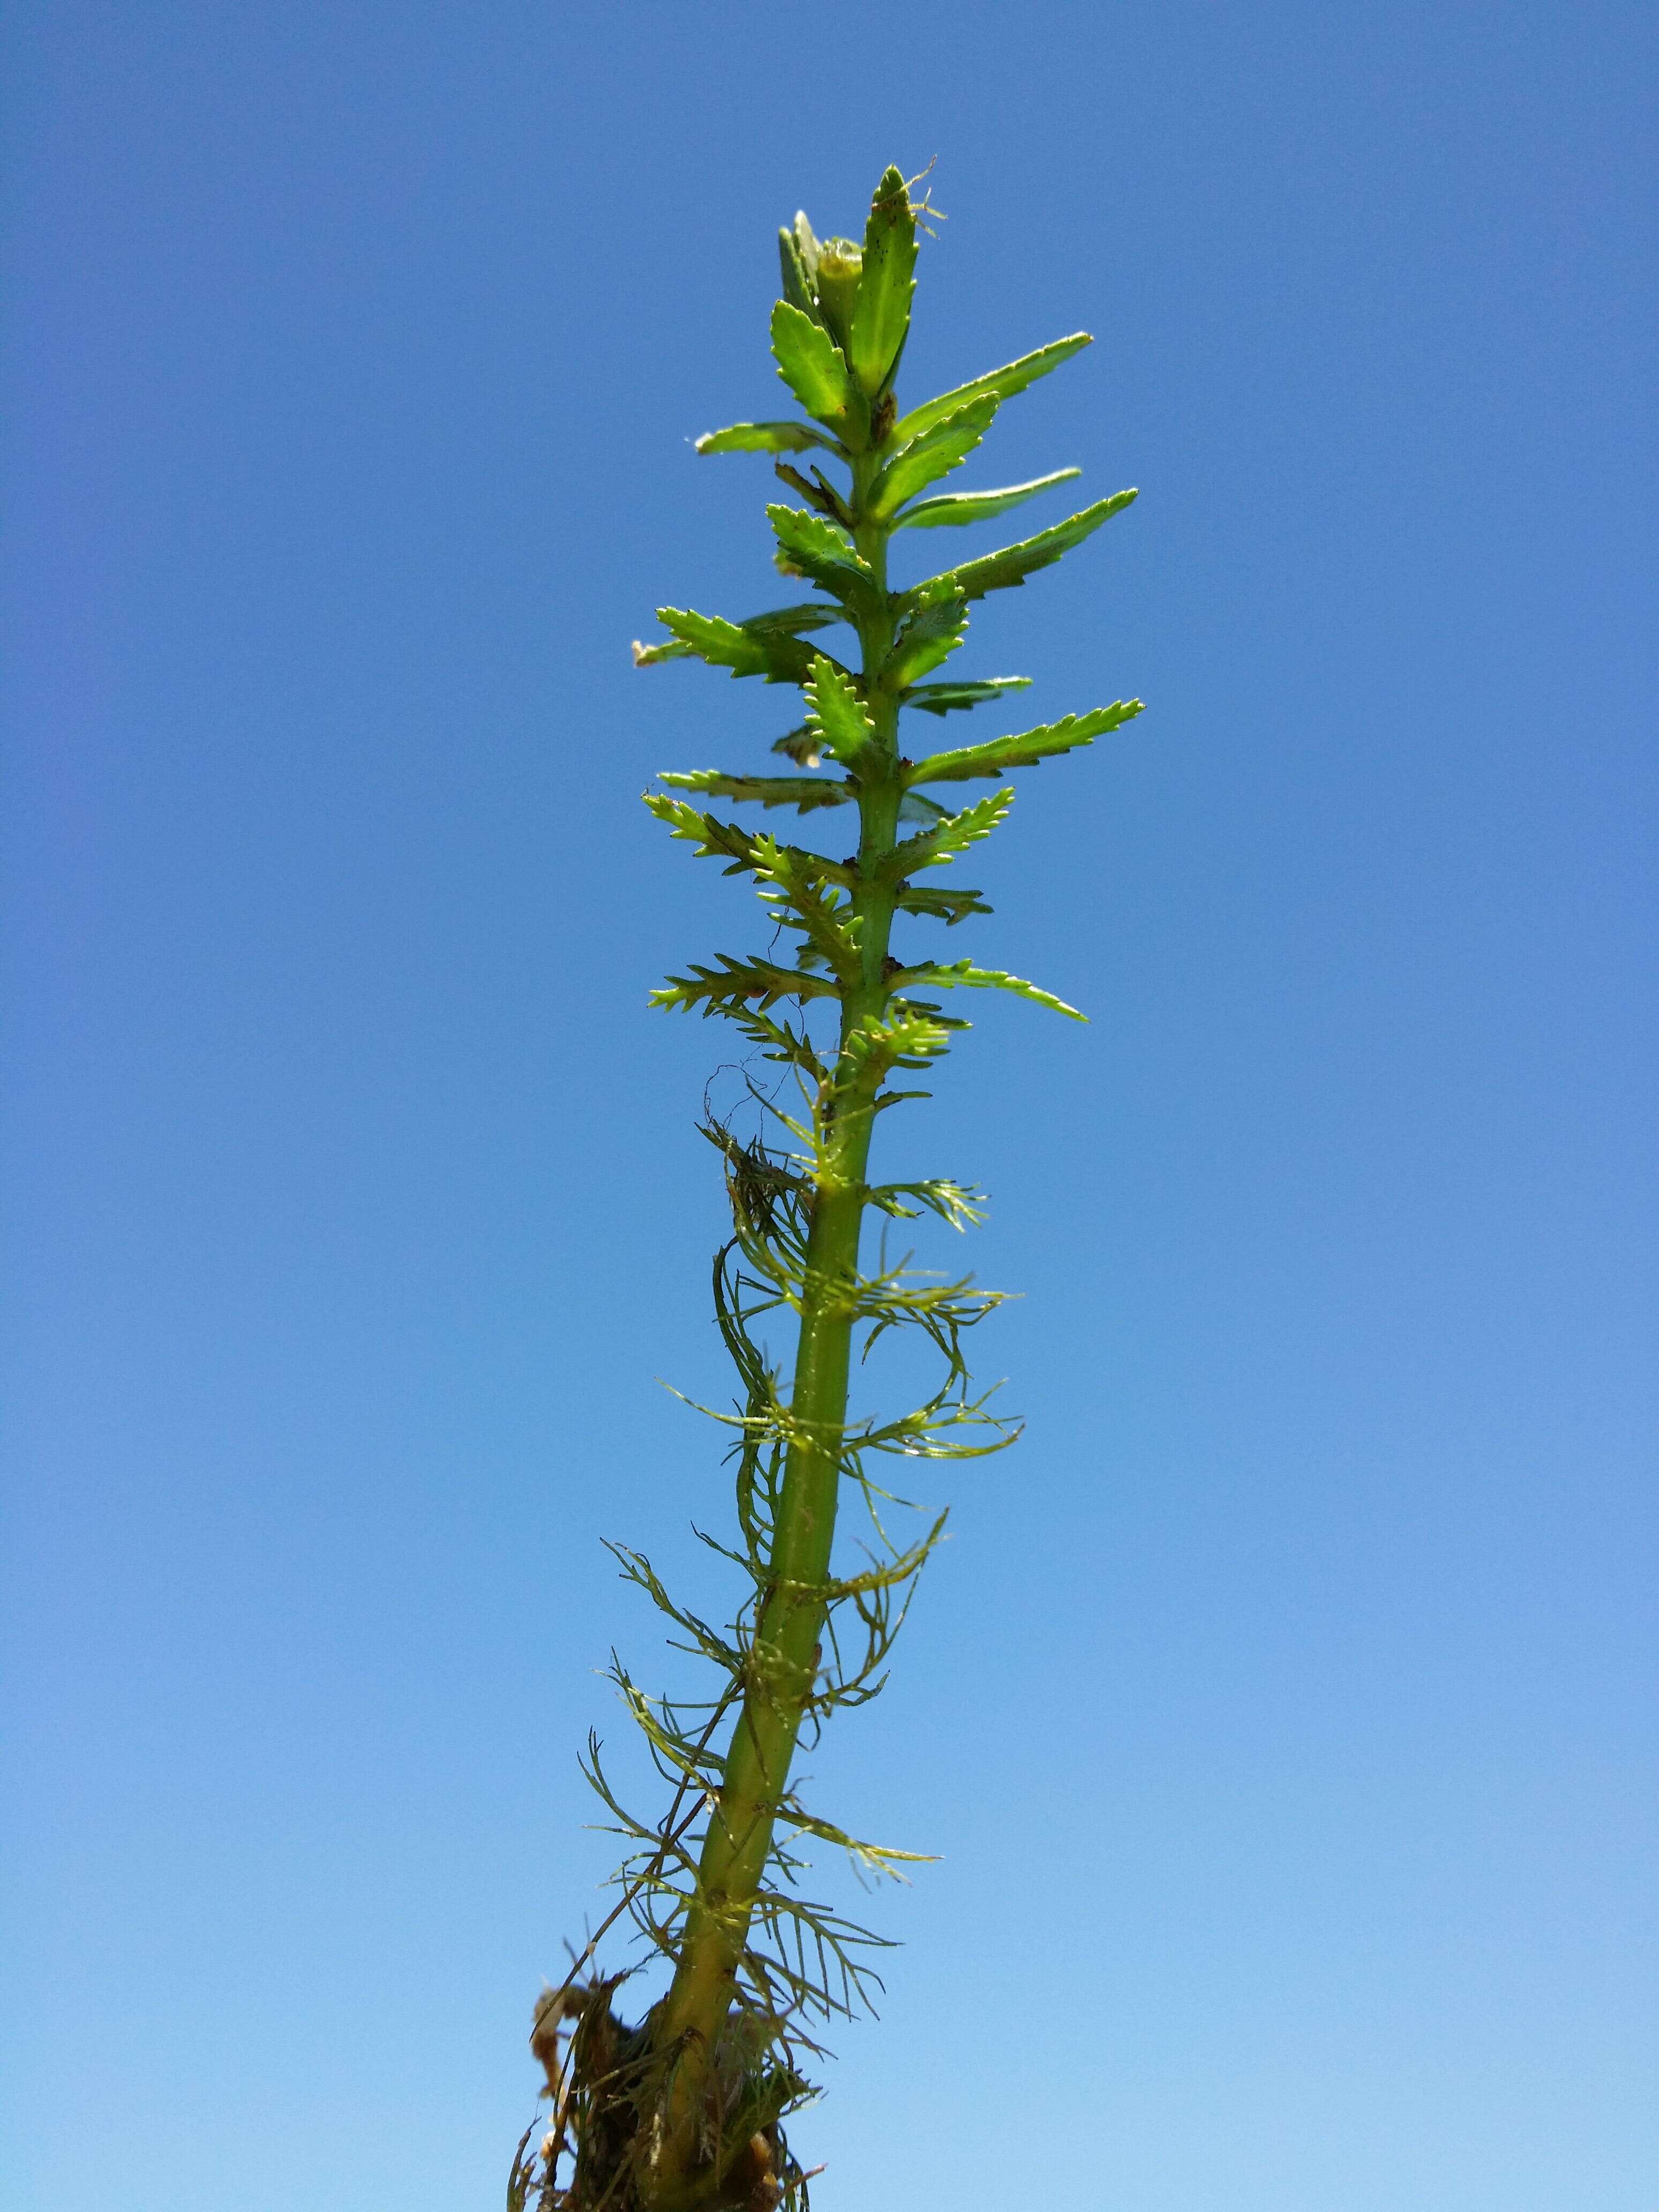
<point>838,719</point>
<point>955,506</point>
<point>779,657</point>
<point>811,364</point>
<point>711,840</point>
<point>931,455</point>
<point>816,548</point>
<point>949,906</point>
<point>947,698</point>
<point>963,975</point>
<point>766,438</point>
<point>1002,382</point>
<point>928,636</point>
<point>796,288</point>
<point>1002,571</point>
<point>734,980</point>
<point>805,792</point>
<point>1000,753</point>
<point>954,835</point>
<point>882,317</point>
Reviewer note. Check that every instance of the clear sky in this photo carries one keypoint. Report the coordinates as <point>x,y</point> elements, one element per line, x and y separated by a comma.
<point>1283,1709</point>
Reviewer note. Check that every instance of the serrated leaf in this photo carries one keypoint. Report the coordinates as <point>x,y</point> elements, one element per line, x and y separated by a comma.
<point>808,893</point>
<point>915,807</point>
<point>736,981</point>
<point>924,460</point>
<point>949,906</point>
<point>928,637</point>
<point>764,438</point>
<point>790,622</point>
<point>1005,570</point>
<point>814,548</point>
<point>713,840</point>
<point>951,698</point>
<point>960,507</point>
<point>838,719</point>
<point>998,755</point>
<point>1002,382</point>
<point>746,650</point>
<point>811,364</point>
<point>882,317</point>
<point>943,842</point>
<point>961,974</point>
<point>806,793</point>
<point>908,1037</point>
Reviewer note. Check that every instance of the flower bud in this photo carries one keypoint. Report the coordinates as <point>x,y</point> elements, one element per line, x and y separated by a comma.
<point>840,264</point>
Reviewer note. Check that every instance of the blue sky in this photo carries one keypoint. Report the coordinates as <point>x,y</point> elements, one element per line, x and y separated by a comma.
<point>1282,1711</point>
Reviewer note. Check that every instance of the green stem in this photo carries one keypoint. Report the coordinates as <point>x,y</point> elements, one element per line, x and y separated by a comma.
<point>784,1657</point>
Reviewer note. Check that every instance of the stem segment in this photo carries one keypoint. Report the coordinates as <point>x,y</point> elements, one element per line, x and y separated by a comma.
<point>784,1657</point>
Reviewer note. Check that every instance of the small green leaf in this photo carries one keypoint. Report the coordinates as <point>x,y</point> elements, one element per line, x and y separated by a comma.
<point>933,454</point>
<point>735,980</point>
<point>779,657</point>
<point>766,438</point>
<point>1003,571</point>
<point>940,844</point>
<point>811,364</point>
<point>882,317</point>
<point>838,719</point>
<point>814,548</point>
<point>961,974</point>
<point>1002,382</point>
<point>805,792</point>
<point>796,289</point>
<point>789,622</point>
<point>808,247</point>
<point>949,906</point>
<point>1000,753</point>
<point>948,698</point>
<point>929,634</point>
<point>713,840</point>
<point>957,507</point>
